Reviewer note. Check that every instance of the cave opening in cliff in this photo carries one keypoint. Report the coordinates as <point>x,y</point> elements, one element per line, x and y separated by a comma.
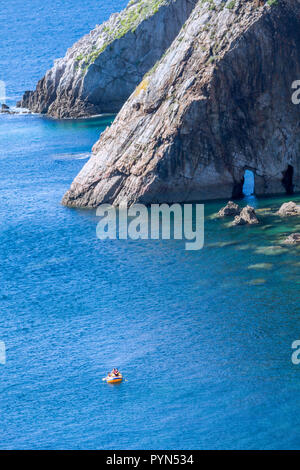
<point>245,187</point>
<point>249,182</point>
<point>287,180</point>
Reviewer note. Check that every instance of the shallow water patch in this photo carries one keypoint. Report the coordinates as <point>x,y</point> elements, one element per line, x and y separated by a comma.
<point>270,250</point>
<point>262,266</point>
<point>256,282</point>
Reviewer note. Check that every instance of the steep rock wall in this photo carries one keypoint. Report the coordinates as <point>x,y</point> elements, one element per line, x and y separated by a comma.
<point>101,70</point>
<point>218,102</point>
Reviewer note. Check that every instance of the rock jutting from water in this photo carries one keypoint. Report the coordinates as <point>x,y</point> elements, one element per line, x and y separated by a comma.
<point>4,108</point>
<point>7,110</point>
<point>217,103</point>
<point>101,70</point>
<point>246,217</point>
<point>289,209</point>
<point>293,239</point>
<point>230,210</point>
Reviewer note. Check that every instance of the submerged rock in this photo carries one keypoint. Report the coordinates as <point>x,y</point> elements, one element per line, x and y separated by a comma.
<point>246,217</point>
<point>222,244</point>
<point>231,209</point>
<point>101,70</point>
<point>257,282</point>
<point>293,239</point>
<point>259,266</point>
<point>218,102</point>
<point>289,209</point>
<point>272,250</point>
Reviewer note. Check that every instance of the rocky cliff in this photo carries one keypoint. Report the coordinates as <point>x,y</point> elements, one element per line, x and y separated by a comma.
<point>217,103</point>
<point>100,71</point>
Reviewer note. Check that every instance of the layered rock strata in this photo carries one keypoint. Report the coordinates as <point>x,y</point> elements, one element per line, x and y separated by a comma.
<point>216,104</point>
<point>101,70</point>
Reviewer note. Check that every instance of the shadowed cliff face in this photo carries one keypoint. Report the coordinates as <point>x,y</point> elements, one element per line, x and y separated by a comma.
<point>100,71</point>
<point>219,102</point>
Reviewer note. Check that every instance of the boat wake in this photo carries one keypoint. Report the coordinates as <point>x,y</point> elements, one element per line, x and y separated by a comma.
<point>72,156</point>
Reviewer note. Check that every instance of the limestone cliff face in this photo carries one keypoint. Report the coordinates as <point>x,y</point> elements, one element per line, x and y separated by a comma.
<point>100,71</point>
<point>217,103</point>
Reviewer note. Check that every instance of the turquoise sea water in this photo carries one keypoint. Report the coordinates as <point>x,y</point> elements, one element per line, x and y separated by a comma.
<point>203,338</point>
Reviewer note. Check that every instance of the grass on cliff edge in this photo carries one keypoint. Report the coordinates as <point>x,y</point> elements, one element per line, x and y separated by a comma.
<point>128,20</point>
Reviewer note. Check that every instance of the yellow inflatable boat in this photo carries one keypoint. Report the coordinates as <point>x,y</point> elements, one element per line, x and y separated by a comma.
<point>114,379</point>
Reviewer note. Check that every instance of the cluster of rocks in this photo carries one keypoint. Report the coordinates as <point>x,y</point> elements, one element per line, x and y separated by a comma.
<point>4,109</point>
<point>245,216</point>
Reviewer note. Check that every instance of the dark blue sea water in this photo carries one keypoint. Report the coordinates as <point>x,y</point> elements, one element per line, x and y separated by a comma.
<point>203,338</point>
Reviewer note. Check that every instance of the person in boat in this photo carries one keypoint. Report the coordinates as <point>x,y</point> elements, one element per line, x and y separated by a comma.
<point>115,372</point>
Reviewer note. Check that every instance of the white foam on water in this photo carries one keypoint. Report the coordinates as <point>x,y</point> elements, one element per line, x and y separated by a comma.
<point>16,110</point>
<point>72,156</point>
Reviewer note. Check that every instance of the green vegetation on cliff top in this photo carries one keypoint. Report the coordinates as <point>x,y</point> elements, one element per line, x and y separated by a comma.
<point>128,20</point>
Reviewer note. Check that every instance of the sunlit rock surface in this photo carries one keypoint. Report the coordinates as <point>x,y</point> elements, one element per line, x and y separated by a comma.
<point>289,209</point>
<point>101,70</point>
<point>217,103</point>
<point>231,209</point>
<point>246,217</point>
<point>293,239</point>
